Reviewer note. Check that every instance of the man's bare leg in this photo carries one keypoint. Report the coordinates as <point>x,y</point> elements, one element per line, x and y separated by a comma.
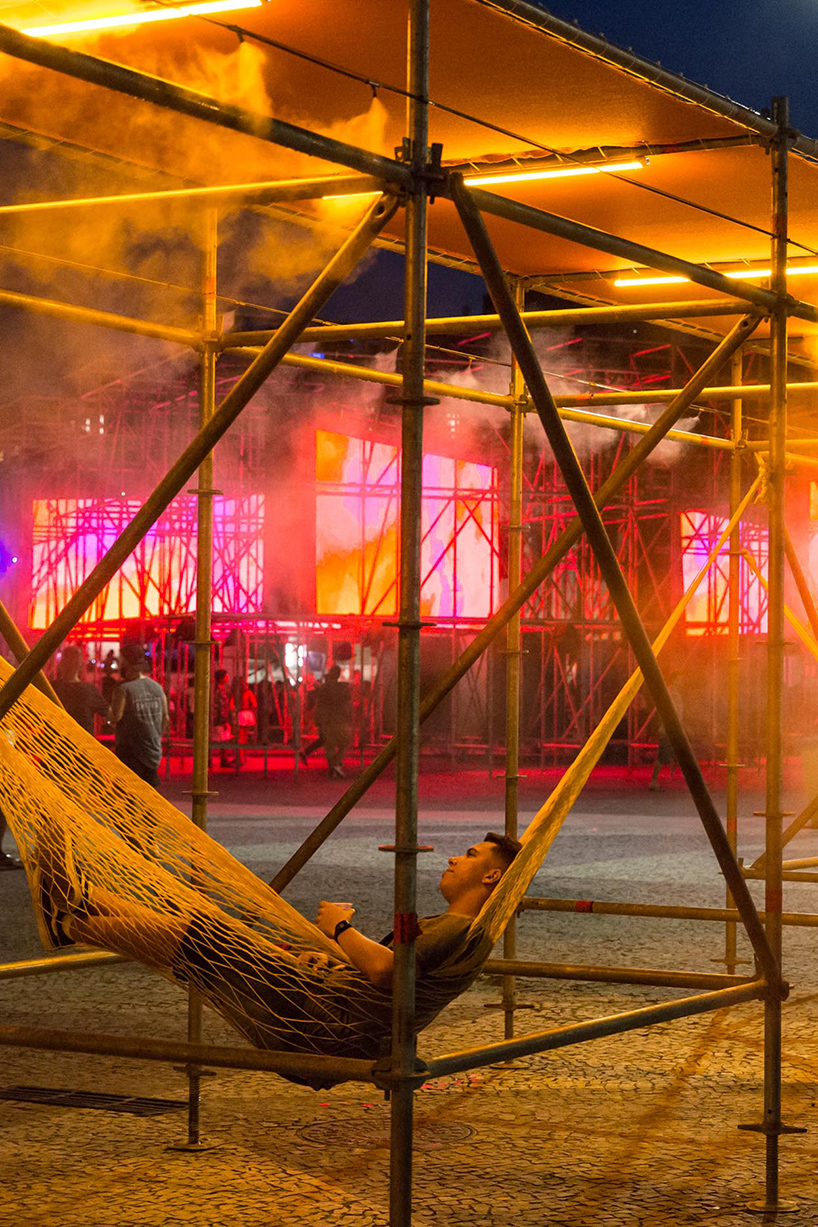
<point>127,928</point>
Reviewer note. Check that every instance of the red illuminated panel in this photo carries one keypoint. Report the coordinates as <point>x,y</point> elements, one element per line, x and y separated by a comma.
<point>70,536</point>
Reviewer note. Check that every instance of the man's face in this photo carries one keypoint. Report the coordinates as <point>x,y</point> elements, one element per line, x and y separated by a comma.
<point>479,866</point>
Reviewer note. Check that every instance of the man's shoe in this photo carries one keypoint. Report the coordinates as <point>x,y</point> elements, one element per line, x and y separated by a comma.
<point>50,918</point>
<point>9,862</point>
<point>58,890</point>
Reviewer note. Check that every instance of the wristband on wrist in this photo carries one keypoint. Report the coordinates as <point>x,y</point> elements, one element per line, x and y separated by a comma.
<point>340,928</point>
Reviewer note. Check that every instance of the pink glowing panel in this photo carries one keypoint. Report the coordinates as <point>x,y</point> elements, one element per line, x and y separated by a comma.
<point>357,499</point>
<point>707,612</point>
<point>356,525</point>
<point>70,536</point>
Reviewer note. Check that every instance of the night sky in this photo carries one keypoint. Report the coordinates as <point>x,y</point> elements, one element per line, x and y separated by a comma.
<point>750,50</point>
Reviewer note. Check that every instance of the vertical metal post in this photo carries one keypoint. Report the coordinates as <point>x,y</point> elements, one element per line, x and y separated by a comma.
<point>733,631</point>
<point>513,653</point>
<point>403,984</point>
<point>204,588</point>
<point>775,642</point>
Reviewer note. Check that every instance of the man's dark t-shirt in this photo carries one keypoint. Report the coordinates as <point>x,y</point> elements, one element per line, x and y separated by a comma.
<point>280,1004</point>
<point>81,700</point>
<point>139,732</point>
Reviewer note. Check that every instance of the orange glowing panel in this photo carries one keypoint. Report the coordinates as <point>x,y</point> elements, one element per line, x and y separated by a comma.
<point>357,528</point>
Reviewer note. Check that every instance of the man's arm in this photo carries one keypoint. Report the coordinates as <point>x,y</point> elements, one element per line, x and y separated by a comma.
<point>165,714</point>
<point>374,960</point>
<point>117,705</point>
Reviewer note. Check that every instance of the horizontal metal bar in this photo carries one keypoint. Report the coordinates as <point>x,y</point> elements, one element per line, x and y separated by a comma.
<point>596,1028</point>
<point>59,962</point>
<point>788,875</point>
<point>721,915</point>
<point>806,862</point>
<point>140,1048</point>
<point>101,319</point>
<point>611,975</point>
<point>728,392</point>
<point>271,191</point>
<point>600,155</point>
<point>350,370</point>
<point>451,324</point>
<point>435,387</point>
<point>636,253</point>
<point>199,106</point>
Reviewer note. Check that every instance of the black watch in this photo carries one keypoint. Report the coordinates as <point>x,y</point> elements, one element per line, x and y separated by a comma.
<point>340,928</point>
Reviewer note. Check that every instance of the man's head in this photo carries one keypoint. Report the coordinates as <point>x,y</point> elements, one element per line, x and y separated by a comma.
<point>71,661</point>
<point>333,673</point>
<point>220,677</point>
<point>134,660</point>
<point>469,879</point>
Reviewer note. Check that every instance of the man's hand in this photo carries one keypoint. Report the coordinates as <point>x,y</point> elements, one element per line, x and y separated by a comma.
<point>331,914</point>
<point>373,959</point>
<point>317,960</point>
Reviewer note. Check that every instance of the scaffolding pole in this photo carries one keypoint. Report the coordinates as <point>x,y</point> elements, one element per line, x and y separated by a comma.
<point>658,911</point>
<point>413,400</point>
<point>448,325</point>
<point>588,513</point>
<point>635,253</point>
<point>596,1028</point>
<point>772,1123</point>
<point>514,653</point>
<point>204,590</point>
<point>733,632</point>
<point>199,106</point>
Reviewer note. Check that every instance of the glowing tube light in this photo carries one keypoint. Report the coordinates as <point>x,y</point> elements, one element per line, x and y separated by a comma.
<point>523,176</point>
<point>562,172</point>
<point>141,18</point>
<point>736,274</point>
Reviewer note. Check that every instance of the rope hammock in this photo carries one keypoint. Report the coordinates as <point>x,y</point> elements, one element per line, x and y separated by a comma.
<point>176,900</point>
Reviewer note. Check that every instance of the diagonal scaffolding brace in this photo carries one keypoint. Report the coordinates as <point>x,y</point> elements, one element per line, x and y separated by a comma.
<point>609,566</point>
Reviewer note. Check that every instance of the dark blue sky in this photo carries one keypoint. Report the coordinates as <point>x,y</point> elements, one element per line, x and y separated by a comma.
<point>750,50</point>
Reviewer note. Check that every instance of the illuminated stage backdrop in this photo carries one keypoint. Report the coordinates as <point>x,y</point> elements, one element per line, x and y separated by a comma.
<point>707,612</point>
<point>70,536</point>
<point>357,527</point>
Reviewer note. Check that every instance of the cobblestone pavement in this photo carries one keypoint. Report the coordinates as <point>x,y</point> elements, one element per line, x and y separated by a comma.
<point>639,1129</point>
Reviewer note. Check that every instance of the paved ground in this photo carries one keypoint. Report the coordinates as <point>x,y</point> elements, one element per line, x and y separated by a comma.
<point>638,1129</point>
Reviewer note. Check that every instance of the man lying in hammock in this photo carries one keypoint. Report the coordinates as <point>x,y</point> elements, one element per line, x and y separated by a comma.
<point>335,1000</point>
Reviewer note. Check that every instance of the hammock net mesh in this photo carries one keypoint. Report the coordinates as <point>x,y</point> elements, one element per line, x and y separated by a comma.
<point>168,895</point>
<point>164,893</point>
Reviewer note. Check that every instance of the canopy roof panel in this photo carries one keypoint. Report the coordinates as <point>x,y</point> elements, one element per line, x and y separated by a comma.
<point>507,81</point>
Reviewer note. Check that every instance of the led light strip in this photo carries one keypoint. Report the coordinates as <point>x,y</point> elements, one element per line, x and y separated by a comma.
<point>523,176</point>
<point>562,172</point>
<point>141,18</point>
<point>735,274</point>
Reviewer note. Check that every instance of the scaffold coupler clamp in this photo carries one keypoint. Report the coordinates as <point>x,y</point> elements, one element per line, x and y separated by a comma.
<point>386,1080</point>
<point>773,990</point>
<point>428,170</point>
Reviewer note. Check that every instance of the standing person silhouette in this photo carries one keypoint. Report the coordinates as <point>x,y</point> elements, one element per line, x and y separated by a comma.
<point>334,715</point>
<point>80,699</point>
<point>139,712</point>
